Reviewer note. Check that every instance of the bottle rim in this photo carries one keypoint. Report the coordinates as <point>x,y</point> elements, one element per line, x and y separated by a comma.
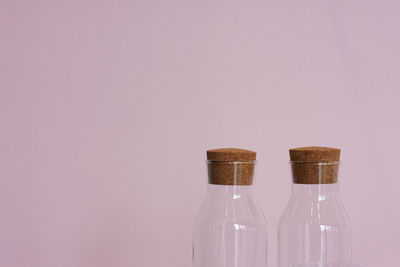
<point>232,162</point>
<point>315,163</point>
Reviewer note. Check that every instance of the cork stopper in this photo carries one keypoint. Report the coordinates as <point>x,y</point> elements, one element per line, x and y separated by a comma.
<point>314,165</point>
<point>231,166</point>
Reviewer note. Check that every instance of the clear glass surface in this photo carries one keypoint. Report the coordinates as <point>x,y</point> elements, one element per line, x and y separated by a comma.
<point>323,264</point>
<point>230,229</point>
<point>314,230</point>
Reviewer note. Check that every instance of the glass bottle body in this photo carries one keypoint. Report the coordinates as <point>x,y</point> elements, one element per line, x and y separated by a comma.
<point>314,229</point>
<point>230,229</point>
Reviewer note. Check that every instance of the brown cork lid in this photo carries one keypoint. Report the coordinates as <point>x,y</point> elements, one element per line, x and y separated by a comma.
<point>314,154</point>
<point>231,166</point>
<point>314,165</point>
<point>231,154</point>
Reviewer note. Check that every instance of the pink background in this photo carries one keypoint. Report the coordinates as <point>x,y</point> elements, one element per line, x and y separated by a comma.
<point>107,108</point>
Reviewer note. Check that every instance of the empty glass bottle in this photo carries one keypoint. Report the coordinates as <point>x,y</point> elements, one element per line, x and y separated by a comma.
<point>230,229</point>
<point>314,230</point>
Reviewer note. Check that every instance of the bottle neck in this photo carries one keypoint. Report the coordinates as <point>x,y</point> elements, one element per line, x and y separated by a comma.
<point>315,191</point>
<point>229,192</point>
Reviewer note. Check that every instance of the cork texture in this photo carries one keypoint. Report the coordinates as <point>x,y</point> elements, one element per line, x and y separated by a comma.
<point>231,166</point>
<point>314,165</point>
<point>314,154</point>
<point>231,154</point>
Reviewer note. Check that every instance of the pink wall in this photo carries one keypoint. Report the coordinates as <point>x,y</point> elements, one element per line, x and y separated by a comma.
<point>107,108</point>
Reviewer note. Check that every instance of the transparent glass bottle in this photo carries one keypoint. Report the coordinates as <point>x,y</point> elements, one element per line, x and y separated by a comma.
<point>230,229</point>
<point>314,230</point>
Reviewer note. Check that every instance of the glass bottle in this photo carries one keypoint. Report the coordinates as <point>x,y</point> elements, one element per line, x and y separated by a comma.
<point>314,230</point>
<point>230,229</point>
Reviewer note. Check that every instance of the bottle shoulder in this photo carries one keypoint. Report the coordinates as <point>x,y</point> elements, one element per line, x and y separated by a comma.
<point>328,211</point>
<point>236,212</point>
